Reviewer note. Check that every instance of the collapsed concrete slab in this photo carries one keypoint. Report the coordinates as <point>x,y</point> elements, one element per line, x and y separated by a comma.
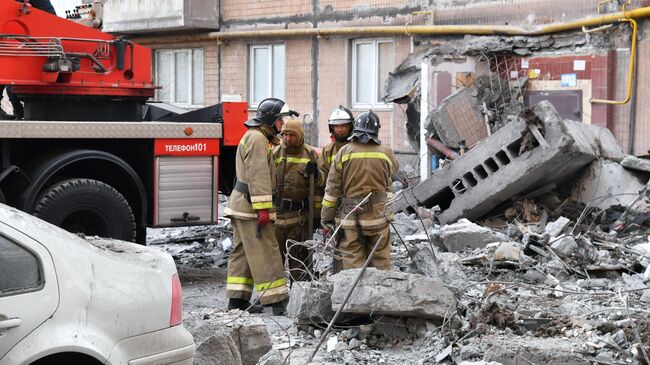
<point>605,183</point>
<point>392,293</point>
<point>467,235</point>
<point>523,157</point>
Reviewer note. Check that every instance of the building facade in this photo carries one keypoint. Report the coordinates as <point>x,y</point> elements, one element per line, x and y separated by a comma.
<point>261,48</point>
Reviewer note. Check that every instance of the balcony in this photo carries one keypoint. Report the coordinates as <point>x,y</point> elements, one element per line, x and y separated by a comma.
<point>155,16</point>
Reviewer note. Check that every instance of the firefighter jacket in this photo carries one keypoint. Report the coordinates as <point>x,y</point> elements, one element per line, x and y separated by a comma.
<point>291,197</point>
<point>357,170</point>
<point>325,159</point>
<point>255,171</point>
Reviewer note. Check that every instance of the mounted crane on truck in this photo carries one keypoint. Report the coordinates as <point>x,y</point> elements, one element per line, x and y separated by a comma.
<point>92,155</point>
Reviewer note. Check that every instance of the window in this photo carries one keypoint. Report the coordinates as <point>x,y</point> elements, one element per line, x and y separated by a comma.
<point>266,64</point>
<point>19,268</point>
<point>180,74</point>
<point>372,59</point>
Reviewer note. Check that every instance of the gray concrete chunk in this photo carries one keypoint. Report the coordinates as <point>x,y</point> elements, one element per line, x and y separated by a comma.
<point>309,302</point>
<point>467,235</point>
<point>635,163</point>
<point>605,183</point>
<point>392,293</point>
<point>556,227</point>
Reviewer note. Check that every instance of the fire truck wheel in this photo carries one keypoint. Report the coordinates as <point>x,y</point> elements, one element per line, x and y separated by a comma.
<point>87,206</point>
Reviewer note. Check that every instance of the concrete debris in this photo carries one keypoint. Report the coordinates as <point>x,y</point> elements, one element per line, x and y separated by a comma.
<point>234,338</point>
<point>457,120</point>
<point>635,163</point>
<point>392,293</point>
<point>273,357</point>
<point>508,251</point>
<point>446,266</point>
<point>309,302</point>
<point>464,235</point>
<point>555,228</point>
<point>527,157</point>
<point>564,246</point>
<point>606,183</point>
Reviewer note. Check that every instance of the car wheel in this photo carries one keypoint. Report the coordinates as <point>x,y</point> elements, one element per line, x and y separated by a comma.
<point>87,206</point>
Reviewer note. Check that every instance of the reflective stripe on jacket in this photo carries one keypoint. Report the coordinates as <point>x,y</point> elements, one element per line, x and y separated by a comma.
<point>357,170</point>
<point>254,167</point>
<point>296,183</point>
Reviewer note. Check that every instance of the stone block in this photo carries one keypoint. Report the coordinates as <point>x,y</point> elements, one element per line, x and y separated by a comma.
<point>448,267</point>
<point>608,146</point>
<point>216,343</point>
<point>555,228</point>
<point>508,164</point>
<point>392,293</point>
<point>564,246</point>
<point>635,163</point>
<point>467,235</point>
<point>309,302</point>
<point>232,339</point>
<point>605,183</point>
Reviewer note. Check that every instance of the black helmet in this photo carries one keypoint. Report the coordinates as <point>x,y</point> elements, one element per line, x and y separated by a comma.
<point>366,128</point>
<point>267,112</point>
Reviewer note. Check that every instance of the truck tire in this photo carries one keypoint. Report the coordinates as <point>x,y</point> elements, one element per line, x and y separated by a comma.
<point>87,206</point>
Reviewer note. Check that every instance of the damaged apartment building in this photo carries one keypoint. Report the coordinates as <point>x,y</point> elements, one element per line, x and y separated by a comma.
<point>317,54</point>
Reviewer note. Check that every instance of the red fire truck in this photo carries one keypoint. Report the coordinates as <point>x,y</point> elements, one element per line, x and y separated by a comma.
<point>92,155</point>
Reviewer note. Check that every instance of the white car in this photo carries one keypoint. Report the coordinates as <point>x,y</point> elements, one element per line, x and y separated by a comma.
<point>67,300</point>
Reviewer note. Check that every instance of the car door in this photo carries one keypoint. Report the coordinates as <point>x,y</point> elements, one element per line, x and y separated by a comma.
<point>29,293</point>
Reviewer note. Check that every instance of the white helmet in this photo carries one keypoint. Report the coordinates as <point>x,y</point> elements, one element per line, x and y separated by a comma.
<point>286,113</point>
<point>340,115</point>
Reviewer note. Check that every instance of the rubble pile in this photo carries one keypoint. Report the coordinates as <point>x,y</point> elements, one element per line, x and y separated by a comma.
<point>563,289</point>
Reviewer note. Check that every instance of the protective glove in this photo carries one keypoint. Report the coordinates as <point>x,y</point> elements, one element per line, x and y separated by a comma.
<point>311,169</point>
<point>327,226</point>
<point>263,217</point>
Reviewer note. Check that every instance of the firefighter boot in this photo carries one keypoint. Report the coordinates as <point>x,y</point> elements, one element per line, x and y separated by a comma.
<point>279,308</point>
<point>244,305</point>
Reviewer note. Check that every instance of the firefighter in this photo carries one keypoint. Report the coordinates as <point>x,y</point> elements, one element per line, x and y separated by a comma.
<point>295,162</point>
<point>361,167</point>
<point>340,125</point>
<point>254,260</point>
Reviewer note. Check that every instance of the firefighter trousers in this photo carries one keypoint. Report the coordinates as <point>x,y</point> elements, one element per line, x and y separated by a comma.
<point>296,257</point>
<point>355,253</point>
<point>255,262</point>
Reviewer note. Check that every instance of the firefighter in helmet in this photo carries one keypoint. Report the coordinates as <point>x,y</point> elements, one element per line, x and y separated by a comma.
<point>340,124</point>
<point>295,170</point>
<point>363,166</point>
<point>254,260</point>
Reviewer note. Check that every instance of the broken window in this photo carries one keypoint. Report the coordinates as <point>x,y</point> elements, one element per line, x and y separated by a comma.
<point>180,74</point>
<point>372,59</point>
<point>266,72</point>
<point>19,268</point>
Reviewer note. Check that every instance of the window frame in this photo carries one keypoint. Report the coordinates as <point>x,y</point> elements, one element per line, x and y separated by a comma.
<point>376,104</point>
<point>39,264</point>
<point>189,76</point>
<point>269,69</point>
